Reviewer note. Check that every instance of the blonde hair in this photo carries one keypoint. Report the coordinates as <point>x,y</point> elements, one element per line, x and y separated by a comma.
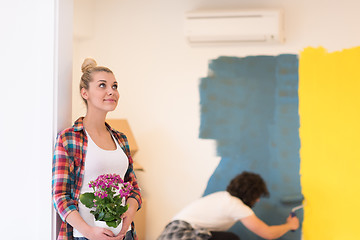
<point>88,67</point>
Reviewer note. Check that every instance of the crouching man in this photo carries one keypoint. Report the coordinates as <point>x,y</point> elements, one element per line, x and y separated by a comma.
<point>211,216</point>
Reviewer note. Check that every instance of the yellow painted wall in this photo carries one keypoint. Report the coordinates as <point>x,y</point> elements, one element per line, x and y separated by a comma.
<point>329,108</point>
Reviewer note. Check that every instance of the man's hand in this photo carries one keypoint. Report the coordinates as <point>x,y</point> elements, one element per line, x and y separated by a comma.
<point>293,222</point>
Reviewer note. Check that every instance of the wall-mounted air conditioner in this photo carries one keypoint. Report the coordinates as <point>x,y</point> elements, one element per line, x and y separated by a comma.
<point>232,26</point>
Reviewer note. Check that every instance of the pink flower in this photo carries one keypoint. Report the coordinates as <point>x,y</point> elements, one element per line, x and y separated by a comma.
<point>106,183</point>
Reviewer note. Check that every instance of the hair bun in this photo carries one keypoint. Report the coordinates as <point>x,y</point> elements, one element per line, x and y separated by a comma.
<point>88,64</point>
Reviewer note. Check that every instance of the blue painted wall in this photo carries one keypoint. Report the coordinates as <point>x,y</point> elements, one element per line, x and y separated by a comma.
<point>250,107</point>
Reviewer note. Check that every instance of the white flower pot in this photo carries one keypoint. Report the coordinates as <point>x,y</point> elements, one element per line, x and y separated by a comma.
<point>103,225</point>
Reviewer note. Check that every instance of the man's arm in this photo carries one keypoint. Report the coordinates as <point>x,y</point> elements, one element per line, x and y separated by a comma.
<point>254,224</point>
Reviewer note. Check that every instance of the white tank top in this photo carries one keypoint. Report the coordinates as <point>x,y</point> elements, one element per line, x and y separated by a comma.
<point>97,162</point>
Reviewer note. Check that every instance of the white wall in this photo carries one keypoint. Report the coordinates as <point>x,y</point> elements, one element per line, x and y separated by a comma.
<point>158,72</point>
<point>30,67</point>
<point>27,63</point>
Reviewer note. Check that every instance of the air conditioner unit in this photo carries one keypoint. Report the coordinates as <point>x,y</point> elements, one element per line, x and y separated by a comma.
<point>231,26</point>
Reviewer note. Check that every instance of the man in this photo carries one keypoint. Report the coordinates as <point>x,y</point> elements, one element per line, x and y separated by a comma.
<point>211,216</point>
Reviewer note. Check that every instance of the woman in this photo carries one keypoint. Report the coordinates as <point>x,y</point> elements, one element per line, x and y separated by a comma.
<point>86,150</point>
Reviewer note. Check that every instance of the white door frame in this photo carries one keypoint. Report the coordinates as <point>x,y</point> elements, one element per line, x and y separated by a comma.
<point>62,78</point>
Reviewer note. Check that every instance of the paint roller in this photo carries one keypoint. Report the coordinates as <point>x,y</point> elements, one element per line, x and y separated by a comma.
<point>291,200</point>
<point>293,214</point>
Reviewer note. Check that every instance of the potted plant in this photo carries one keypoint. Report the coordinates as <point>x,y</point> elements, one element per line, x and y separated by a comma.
<point>107,202</point>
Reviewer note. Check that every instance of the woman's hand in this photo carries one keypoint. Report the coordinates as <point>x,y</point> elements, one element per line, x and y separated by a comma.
<point>128,217</point>
<point>92,233</point>
<point>98,233</point>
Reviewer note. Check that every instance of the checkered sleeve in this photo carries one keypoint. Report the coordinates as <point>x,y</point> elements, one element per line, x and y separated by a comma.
<point>130,174</point>
<point>61,178</point>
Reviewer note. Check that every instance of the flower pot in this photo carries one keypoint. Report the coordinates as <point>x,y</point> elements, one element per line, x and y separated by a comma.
<point>103,225</point>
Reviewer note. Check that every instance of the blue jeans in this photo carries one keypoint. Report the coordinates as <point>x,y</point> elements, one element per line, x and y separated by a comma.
<point>128,236</point>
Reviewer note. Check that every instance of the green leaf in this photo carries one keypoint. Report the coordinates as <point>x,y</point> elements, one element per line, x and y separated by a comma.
<point>110,207</point>
<point>121,209</point>
<point>87,199</point>
<point>108,217</point>
<point>101,216</point>
<point>100,201</point>
<point>113,224</point>
<point>118,201</point>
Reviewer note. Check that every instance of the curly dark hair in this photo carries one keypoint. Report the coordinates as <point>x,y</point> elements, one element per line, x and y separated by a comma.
<point>248,187</point>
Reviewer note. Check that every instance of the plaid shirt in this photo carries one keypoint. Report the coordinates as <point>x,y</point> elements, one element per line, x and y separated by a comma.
<point>68,172</point>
